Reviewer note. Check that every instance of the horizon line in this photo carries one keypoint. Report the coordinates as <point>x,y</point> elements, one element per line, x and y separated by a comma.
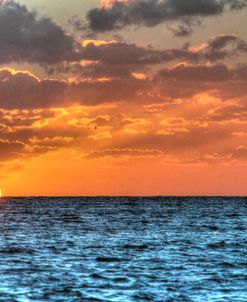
<point>121,196</point>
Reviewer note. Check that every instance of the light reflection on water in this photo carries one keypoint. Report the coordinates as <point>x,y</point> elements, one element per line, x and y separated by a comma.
<point>123,249</point>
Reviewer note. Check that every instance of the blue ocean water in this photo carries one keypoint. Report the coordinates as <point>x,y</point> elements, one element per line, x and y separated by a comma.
<point>123,249</point>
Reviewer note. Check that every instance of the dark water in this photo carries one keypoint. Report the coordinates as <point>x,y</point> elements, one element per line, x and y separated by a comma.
<point>123,249</point>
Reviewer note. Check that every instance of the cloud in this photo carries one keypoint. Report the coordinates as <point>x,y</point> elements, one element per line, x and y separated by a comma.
<point>196,73</point>
<point>125,152</point>
<point>30,133</point>
<point>220,47</point>
<point>174,126</point>
<point>10,149</point>
<point>117,53</point>
<point>217,48</point>
<point>116,121</point>
<point>228,113</point>
<point>24,90</point>
<point>12,119</point>
<point>20,90</point>
<point>27,38</point>
<point>119,14</point>
<point>186,80</point>
<point>240,152</point>
<point>110,59</point>
<point>118,60</point>
<point>115,71</point>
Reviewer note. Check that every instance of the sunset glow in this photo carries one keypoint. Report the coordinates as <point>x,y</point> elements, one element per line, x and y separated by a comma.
<point>127,99</point>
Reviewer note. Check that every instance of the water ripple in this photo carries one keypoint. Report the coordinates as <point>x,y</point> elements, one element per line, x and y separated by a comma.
<point>123,249</point>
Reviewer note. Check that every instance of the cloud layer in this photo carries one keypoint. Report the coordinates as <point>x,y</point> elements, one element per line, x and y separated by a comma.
<point>116,104</point>
<point>150,13</point>
<point>25,37</point>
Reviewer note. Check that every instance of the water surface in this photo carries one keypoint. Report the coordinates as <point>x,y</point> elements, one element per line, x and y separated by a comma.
<point>123,249</point>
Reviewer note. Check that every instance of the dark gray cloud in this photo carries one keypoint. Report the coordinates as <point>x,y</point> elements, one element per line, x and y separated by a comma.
<point>223,46</point>
<point>27,38</point>
<point>218,48</point>
<point>153,12</point>
<point>121,54</point>
<point>184,81</point>
<point>115,59</point>
<point>22,90</point>
<point>120,60</point>
<point>196,73</point>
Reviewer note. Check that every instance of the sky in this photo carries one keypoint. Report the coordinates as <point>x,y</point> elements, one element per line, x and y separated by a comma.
<point>127,97</point>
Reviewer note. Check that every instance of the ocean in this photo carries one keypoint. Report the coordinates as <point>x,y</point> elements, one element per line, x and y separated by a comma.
<point>123,249</point>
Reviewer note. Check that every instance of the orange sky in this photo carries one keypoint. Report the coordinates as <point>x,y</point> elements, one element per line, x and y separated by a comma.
<point>136,107</point>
